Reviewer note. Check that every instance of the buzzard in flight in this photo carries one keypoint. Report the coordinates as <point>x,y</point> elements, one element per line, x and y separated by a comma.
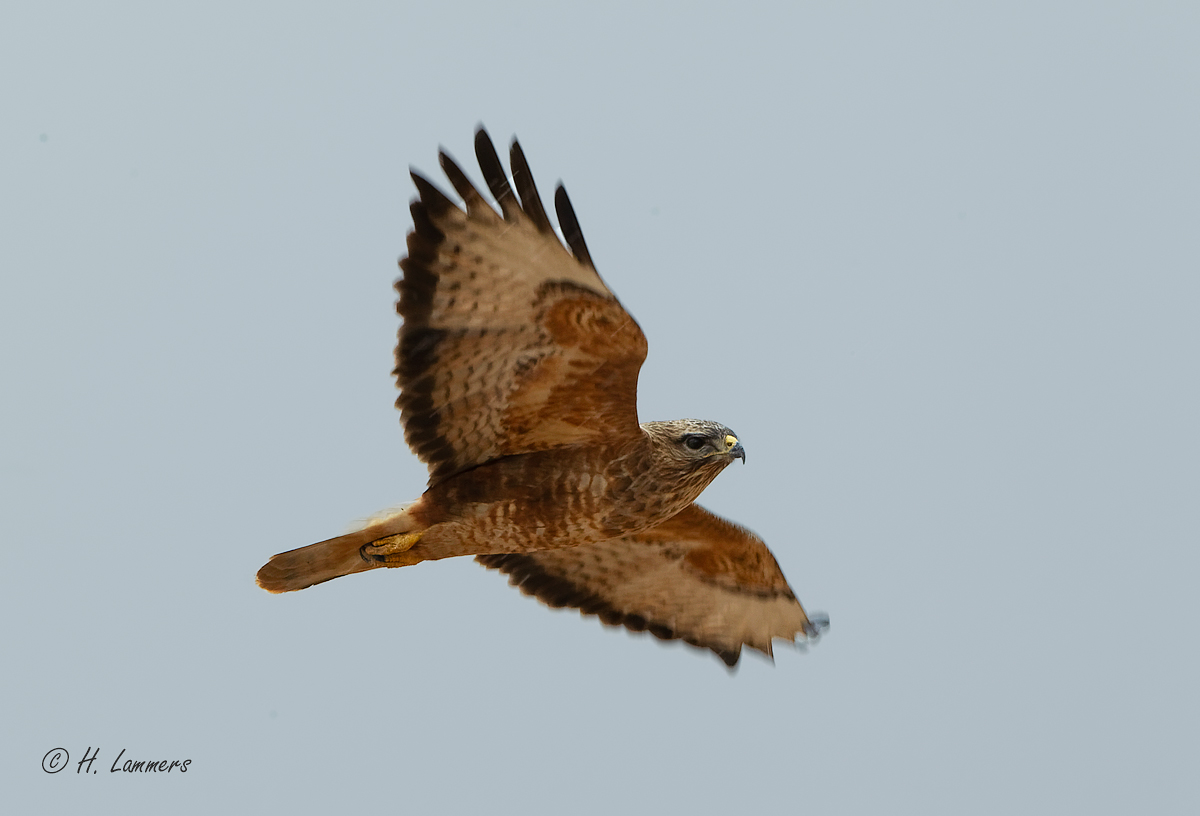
<point>517,370</point>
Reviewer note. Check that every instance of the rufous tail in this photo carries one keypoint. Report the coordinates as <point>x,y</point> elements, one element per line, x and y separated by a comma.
<point>333,558</point>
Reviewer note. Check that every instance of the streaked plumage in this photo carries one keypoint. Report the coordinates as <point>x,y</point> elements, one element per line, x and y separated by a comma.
<point>517,370</point>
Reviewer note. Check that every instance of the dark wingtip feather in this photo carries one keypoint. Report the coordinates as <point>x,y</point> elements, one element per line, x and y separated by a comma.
<point>531,202</point>
<point>462,185</point>
<point>434,199</point>
<point>493,174</point>
<point>818,624</point>
<point>424,236</point>
<point>570,227</point>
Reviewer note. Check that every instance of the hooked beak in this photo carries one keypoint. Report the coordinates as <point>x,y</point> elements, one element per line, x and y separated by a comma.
<point>734,448</point>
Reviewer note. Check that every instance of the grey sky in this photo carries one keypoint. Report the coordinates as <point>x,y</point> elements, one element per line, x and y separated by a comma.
<point>939,266</point>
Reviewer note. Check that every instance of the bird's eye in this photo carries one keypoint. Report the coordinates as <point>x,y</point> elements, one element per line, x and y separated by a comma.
<point>693,442</point>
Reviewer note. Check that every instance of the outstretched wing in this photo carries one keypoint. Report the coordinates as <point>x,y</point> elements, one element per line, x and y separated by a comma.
<point>695,577</point>
<point>510,342</point>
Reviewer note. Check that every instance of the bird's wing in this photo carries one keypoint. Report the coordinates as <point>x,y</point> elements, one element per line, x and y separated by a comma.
<point>511,343</point>
<point>696,577</point>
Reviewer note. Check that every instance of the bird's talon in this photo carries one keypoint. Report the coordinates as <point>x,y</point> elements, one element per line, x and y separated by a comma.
<point>386,549</point>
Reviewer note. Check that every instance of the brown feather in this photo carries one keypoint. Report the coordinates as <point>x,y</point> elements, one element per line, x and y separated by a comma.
<point>314,564</point>
<point>335,557</point>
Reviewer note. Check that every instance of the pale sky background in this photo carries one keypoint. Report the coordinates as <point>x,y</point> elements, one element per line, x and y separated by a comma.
<point>937,264</point>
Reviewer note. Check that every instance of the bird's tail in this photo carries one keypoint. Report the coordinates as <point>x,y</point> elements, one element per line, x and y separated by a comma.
<point>333,558</point>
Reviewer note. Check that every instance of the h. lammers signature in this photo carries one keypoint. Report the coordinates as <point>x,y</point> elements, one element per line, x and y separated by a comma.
<point>58,758</point>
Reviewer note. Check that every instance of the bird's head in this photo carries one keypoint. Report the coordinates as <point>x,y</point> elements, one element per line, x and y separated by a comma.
<point>695,445</point>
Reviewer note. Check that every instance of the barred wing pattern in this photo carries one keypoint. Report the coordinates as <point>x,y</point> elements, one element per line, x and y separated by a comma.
<point>697,577</point>
<point>510,343</point>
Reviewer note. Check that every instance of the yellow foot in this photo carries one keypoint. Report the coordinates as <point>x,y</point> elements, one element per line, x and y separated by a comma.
<point>392,551</point>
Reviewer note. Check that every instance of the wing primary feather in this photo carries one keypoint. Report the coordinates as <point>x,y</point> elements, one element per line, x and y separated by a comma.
<point>817,624</point>
<point>493,174</point>
<point>424,237</point>
<point>531,202</point>
<point>476,205</point>
<point>435,201</point>
<point>570,227</point>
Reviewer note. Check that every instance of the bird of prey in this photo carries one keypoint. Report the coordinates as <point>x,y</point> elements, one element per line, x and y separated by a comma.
<point>517,369</point>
